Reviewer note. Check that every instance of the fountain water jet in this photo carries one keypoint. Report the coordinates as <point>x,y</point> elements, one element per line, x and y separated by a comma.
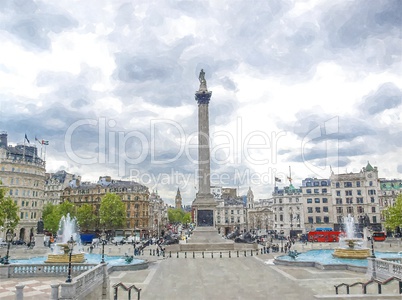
<point>349,245</point>
<point>67,228</point>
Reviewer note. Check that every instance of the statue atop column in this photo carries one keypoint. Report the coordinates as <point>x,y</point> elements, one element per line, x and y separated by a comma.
<point>203,82</point>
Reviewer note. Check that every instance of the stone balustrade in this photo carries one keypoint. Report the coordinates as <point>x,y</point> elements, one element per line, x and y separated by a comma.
<point>41,270</point>
<point>383,269</point>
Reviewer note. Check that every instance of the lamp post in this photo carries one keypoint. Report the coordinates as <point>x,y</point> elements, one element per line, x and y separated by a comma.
<point>70,244</point>
<point>372,247</point>
<point>281,242</point>
<point>9,239</point>
<point>103,240</point>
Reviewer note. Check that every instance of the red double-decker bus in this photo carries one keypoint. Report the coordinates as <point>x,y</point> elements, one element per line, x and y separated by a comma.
<point>379,236</point>
<point>326,235</point>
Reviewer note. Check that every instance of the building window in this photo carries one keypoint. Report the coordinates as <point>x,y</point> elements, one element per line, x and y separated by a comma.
<point>323,183</point>
<point>316,191</point>
<point>318,209</point>
<point>316,200</point>
<point>371,192</point>
<point>324,200</point>
<point>338,200</point>
<point>358,183</point>
<point>349,210</point>
<point>326,220</point>
<point>325,208</point>
<point>360,210</point>
<point>281,218</point>
<point>310,220</point>
<point>309,200</point>
<point>339,210</point>
<point>359,192</point>
<point>349,200</point>
<point>359,200</point>
<point>318,220</point>
<point>324,191</point>
<point>373,209</point>
<point>337,185</point>
<point>348,193</point>
<point>374,219</point>
<point>338,193</point>
<point>308,191</point>
<point>347,184</point>
<point>372,199</point>
<point>309,210</point>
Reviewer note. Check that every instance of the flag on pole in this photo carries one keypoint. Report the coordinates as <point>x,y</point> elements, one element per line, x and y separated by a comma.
<point>277,179</point>
<point>45,142</point>
<point>36,139</point>
<point>27,138</point>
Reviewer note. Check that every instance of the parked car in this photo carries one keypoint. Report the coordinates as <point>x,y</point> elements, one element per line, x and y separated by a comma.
<point>118,240</point>
<point>18,242</point>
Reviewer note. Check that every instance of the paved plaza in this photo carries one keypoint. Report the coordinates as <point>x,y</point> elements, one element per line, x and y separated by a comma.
<point>251,277</point>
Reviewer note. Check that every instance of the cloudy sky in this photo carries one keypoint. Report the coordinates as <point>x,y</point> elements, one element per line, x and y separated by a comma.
<point>311,85</point>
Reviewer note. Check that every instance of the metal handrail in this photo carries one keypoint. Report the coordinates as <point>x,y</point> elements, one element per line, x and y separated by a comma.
<point>126,288</point>
<point>364,285</point>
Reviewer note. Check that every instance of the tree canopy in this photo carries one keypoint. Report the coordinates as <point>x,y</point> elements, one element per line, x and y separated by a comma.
<point>177,215</point>
<point>393,215</point>
<point>8,210</point>
<point>112,212</point>
<point>86,217</point>
<point>52,214</point>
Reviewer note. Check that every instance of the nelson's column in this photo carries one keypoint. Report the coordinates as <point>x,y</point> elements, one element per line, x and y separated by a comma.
<point>205,236</point>
<point>204,204</point>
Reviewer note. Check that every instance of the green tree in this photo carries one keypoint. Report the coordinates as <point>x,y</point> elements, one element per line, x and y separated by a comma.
<point>52,214</point>
<point>51,217</point>
<point>175,215</point>
<point>112,212</point>
<point>8,210</point>
<point>393,215</point>
<point>187,218</point>
<point>86,217</point>
<point>66,208</point>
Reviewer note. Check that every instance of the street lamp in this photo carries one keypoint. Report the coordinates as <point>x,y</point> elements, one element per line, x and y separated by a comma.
<point>9,239</point>
<point>70,244</point>
<point>103,240</point>
<point>281,242</point>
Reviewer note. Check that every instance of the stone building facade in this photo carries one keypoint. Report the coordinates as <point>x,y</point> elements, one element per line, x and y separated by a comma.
<point>356,194</point>
<point>317,203</point>
<point>158,212</point>
<point>135,196</point>
<point>22,172</point>
<point>287,207</point>
<point>55,183</point>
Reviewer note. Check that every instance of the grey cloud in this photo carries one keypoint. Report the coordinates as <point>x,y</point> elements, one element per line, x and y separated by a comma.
<point>387,96</point>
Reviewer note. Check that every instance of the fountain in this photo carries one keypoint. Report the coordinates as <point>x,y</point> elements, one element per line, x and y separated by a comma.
<point>349,245</point>
<point>67,230</point>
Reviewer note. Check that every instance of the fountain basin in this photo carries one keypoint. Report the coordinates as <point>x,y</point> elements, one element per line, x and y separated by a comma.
<point>65,258</point>
<point>351,253</point>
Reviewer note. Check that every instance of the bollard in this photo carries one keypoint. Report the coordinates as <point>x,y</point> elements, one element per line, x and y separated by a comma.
<point>202,254</point>
<point>193,254</point>
<point>119,249</point>
<point>150,252</point>
<point>245,253</point>
<point>54,294</point>
<point>212,255</point>
<point>170,253</point>
<point>256,252</point>
<point>153,252</point>
<point>251,252</point>
<point>237,253</point>
<point>19,292</point>
<point>185,254</point>
<point>177,254</point>
<point>262,251</point>
<point>229,254</point>
<point>220,254</point>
